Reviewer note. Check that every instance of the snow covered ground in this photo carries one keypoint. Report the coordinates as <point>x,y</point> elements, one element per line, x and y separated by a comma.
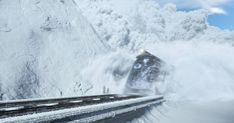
<point>184,112</point>
<point>52,48</point>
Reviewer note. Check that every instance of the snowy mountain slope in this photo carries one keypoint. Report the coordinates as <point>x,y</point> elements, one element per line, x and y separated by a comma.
<point>49,48</point>
<point>66,48</point>
<point>44,45</point>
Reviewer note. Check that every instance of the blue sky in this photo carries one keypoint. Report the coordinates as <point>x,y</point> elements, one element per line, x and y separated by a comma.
<point>224,21</point>
<point>221,11</point>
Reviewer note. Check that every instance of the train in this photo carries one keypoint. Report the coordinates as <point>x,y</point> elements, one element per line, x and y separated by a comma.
<point>146,75</point>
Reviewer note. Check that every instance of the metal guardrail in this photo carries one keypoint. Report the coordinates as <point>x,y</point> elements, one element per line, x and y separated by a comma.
<point>80,109</point>
<point>23,107</point>
<point>31,102</point>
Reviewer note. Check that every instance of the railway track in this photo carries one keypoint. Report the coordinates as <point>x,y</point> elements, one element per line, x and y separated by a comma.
<point>81,109</point>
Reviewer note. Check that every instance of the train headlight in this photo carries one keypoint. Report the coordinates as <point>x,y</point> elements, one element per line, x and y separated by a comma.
<point>141,51</point>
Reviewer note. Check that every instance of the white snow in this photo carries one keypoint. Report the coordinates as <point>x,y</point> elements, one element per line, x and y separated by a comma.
<point>200,54</point>
<point>184,112</point>
<point>48,48</point>
<point>65,48</point>
<point>44,45</point>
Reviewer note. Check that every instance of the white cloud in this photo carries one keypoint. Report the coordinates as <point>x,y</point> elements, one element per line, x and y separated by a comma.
<point>217,10</point>
<point>214,6</point>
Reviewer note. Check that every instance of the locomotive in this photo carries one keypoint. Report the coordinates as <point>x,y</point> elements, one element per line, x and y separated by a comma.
<point>146,75</point>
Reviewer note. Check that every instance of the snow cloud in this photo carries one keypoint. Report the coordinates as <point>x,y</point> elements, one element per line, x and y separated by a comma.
<point>214,6</point>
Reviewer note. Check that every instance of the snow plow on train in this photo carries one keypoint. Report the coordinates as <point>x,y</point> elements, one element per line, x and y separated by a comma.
<point>146,76</point>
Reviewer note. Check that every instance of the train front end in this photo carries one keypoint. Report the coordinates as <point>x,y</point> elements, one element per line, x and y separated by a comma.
<point>146,76</point>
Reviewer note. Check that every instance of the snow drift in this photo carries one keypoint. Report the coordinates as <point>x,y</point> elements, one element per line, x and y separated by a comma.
<point>65,48</point>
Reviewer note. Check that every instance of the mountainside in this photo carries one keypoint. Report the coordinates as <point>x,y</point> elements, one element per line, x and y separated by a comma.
<point>44,45</point>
